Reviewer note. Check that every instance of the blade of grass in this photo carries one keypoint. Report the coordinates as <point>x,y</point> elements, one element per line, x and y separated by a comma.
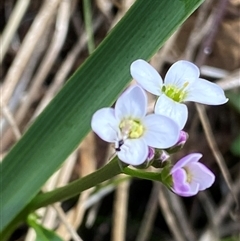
<point>97,83</point>
<point>88,24</point>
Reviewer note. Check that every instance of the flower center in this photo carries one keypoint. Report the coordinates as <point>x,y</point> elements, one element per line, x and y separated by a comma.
<point>189,175</point>
<point>131,128</point>
<point>175,93</point>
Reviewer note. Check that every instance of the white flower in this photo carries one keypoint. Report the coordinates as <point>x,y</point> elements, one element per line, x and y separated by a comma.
<point>182,83</point>
<point>131,130</point>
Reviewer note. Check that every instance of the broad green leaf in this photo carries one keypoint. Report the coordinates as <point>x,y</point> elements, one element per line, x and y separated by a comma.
<point>97,83</point>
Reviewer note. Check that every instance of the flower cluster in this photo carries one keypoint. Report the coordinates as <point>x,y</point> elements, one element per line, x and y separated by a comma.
<point>143,139</point>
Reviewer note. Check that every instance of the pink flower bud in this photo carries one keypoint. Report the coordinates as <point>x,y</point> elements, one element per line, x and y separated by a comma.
<point>182,138</point>
<point>164,156</point>
<point>151,153</point>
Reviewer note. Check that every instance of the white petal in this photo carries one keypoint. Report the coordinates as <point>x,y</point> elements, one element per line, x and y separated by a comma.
<point>174,110</point>
<point>201,175</point>
<point>146,76</point>
<point>190,158</point>
<point>206,92</point>
<point>161,131</point>
<point>132,103</point>
<point>105,125</point>
<point>181,72</point>
<point>133,152</point>
<point>194,188</point>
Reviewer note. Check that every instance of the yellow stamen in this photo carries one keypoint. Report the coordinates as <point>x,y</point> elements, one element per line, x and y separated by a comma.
<point>175,93</point>
<point>131,128</point>
<point>189,175</point>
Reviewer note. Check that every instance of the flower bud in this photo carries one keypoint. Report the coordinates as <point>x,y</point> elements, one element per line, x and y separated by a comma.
<point>149,160</point>
<point>151,153</point>
<point>160,158</point>
<point>183,137</point>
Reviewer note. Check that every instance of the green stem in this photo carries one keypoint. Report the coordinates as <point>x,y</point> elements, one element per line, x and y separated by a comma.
<point>63,193</point>
<point>153,176</point>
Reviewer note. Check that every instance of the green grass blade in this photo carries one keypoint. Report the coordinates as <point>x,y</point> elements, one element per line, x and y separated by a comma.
<point>97,83</point>
<point>88,24</point>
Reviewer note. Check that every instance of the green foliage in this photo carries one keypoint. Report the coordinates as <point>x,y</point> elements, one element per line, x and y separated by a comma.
<point>235,147</point>
<point>230,239</point>
<point>234,99</point>
<point>42,233</point>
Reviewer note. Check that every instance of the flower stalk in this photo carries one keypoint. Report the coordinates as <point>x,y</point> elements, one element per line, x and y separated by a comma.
<point>107,172</point>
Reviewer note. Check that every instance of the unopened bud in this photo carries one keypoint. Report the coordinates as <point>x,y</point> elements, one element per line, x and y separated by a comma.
<point>149,160</point>
<point>151,153</point>
<point>160,158</point>
<point>182,138</point>
<point>180,143</point>
<point>164,156</point>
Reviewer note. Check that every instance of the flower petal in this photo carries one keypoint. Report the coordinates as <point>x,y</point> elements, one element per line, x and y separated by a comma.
<point>105,125</point>
<point>133,152</point>
<point>191,158</point>
<point>201,174</point>
<point>132,103</point>
<point>181,72</point>
<point>206,92</point>
<point>146,76</point>
<point>161,131</point>
<point>194,189</point>
<point>174,110</point>
<point>181,186</point>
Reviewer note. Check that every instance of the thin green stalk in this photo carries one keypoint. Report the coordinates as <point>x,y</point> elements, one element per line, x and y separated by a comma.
<point>153,176</point>
<point>88,24</point>
<point>63,193</point>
